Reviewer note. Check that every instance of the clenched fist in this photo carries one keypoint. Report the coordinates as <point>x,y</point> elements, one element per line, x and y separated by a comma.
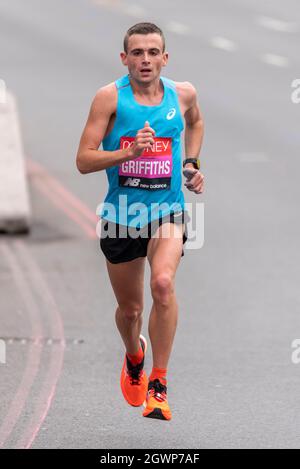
<point>195,180</point>
<point>143,139</point>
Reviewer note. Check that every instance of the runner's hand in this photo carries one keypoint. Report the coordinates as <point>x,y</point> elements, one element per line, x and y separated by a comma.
<point>143,139</point>
<point>195,180</point>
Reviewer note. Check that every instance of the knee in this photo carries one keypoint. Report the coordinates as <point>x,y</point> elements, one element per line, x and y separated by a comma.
<point>131,311</point>
<point>162,287</point>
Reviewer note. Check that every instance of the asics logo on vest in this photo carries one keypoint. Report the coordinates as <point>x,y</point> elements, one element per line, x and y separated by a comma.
<point>171,114</point>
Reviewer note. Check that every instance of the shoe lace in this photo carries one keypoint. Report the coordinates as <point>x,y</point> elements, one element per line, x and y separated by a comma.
<point>157,390</point>
<point>135,372</point>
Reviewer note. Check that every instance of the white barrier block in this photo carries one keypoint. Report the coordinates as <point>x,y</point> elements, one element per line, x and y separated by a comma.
<point>15,213</point>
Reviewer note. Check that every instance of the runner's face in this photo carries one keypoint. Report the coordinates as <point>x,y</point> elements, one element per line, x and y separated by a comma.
<point>145,57</point>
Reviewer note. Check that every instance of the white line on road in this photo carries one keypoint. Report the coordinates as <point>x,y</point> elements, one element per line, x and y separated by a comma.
<point>107,3</point>
<point>253,157</point>
<point>219,42</point>
<point>277,25</point>
<point>223,43</point>
<point>178,28</point>
<point>276,60</point>
<point>31,369</point>
<point>135,10</point>
<point>43,401</point>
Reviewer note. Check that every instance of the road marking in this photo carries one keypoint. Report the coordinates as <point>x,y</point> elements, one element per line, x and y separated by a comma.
<point>223,43</point>
<point>178,28</point>
<point>253,157</point>
<point>218,42</point>
<point>277,25</point>
<point>34,356</point>
<point>112,4</point>
<point>63,199</point>
<point>48,387</point>
<point>276,60</point>
<point>134,10</point>
<point>34,277</point>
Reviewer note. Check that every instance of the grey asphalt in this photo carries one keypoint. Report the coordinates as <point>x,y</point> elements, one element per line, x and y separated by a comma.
<point>232,383</point>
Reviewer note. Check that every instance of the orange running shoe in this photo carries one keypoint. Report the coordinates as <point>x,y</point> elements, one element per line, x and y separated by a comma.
<point>157,405</point>
<point>134,381</point>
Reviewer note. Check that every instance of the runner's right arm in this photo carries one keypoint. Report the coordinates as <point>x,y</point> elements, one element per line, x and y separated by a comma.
<point>89,159</point>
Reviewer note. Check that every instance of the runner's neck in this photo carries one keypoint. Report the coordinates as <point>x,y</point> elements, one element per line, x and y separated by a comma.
<point>148,92</point>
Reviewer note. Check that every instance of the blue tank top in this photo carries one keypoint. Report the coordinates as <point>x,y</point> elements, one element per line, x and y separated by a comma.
<point>145,188</point>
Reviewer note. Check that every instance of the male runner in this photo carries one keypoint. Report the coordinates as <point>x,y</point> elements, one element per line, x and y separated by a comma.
<point>139,119</point>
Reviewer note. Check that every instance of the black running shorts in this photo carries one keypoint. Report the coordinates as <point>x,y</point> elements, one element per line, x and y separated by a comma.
<point>119,246</point>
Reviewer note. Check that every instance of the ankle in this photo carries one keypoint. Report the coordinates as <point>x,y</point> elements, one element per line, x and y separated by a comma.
<point>137,357</point>
<point>159,373</point>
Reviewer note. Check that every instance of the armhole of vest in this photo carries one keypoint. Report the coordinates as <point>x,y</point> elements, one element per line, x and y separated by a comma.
<point>111,130</point>
<point>172,85</point>
<point>181,115</point>
<point>168,82</point>
<point>118,102</point>
<point>178,105</point>
<point>119,87</point>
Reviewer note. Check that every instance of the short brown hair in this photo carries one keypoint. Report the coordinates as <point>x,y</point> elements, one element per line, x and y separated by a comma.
<point>143,28</point>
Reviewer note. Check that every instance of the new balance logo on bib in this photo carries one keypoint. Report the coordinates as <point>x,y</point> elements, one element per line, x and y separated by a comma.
<point>152,170</point>
<point>132,182</point>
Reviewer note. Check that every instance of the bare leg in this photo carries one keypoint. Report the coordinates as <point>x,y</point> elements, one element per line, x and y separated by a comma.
<point>130,328</point>
<point>164,255</point>
<point>163,320</point>
<point>127,280</point>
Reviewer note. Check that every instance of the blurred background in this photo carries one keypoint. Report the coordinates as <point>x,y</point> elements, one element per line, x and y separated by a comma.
<point>232,380</point>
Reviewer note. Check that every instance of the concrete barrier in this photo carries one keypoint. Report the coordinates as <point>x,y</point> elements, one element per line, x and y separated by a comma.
<point>15,212</point>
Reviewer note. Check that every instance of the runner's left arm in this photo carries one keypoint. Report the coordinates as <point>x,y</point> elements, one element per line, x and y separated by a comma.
<point>193,138</point>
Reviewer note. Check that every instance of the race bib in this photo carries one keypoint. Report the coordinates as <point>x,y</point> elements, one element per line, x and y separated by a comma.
<point>152,170</point>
